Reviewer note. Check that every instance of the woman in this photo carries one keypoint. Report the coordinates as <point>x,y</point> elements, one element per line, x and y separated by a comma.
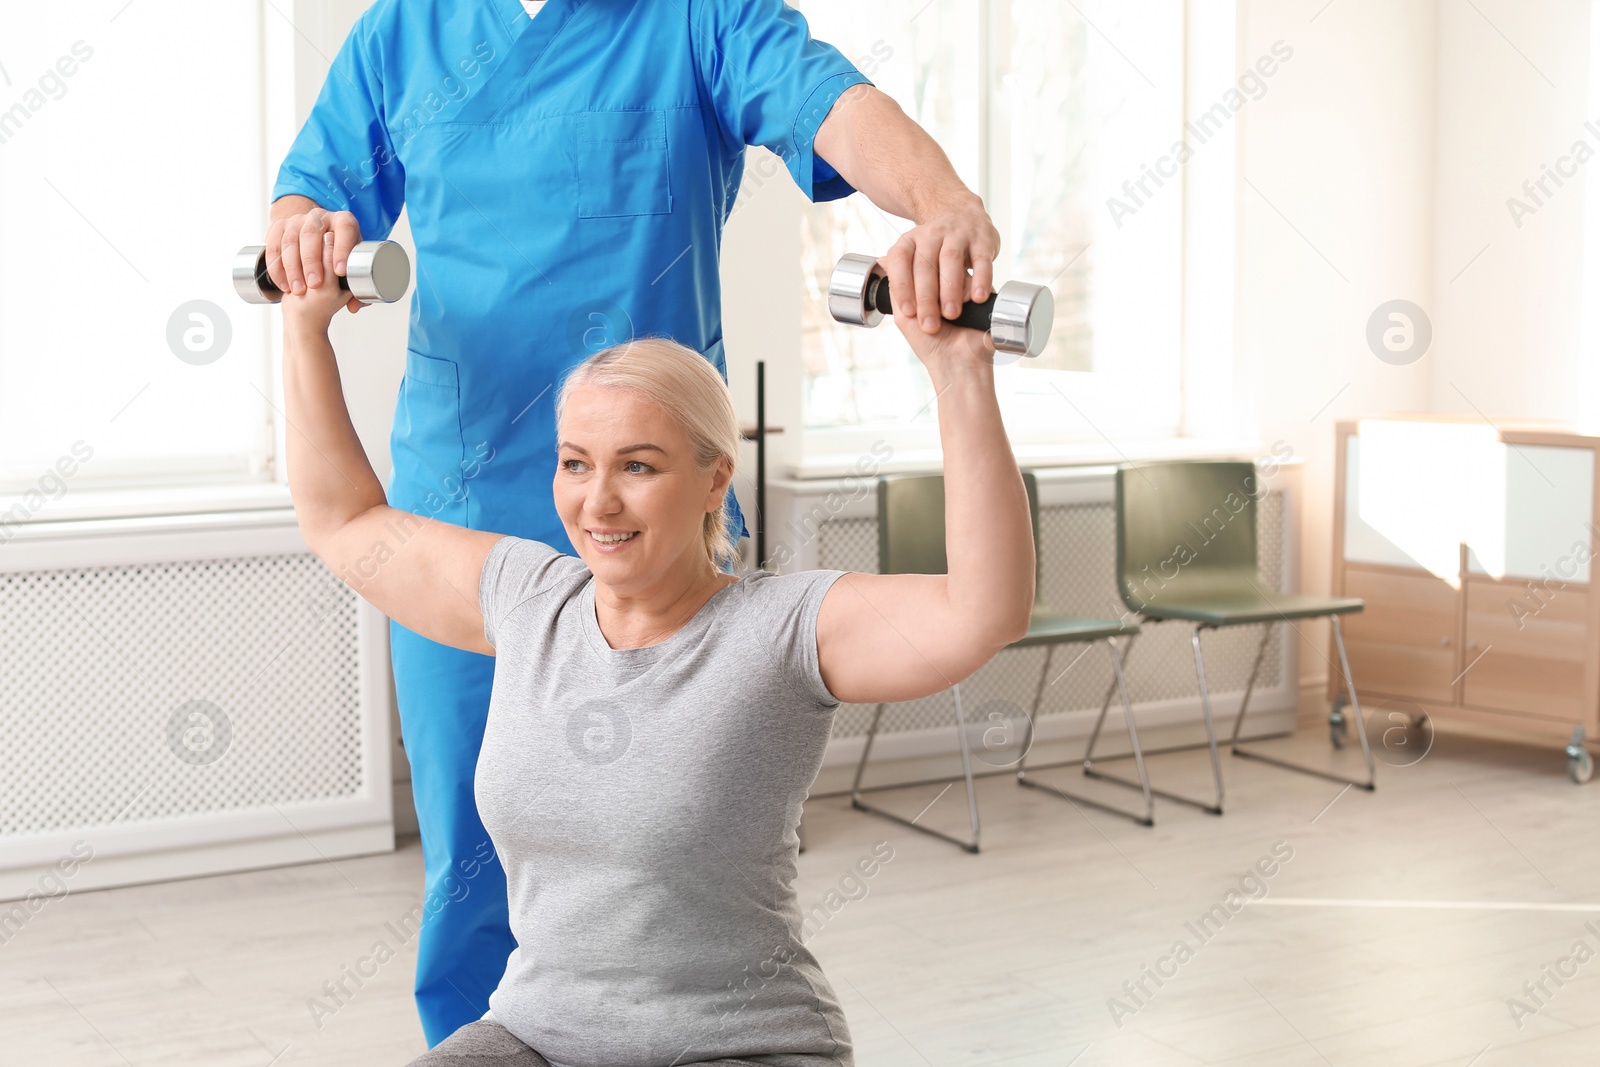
<point>646,821</point>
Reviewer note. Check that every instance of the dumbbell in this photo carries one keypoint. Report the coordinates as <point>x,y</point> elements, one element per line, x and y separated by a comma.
<point>1019,316</point>
<point>375,272</point>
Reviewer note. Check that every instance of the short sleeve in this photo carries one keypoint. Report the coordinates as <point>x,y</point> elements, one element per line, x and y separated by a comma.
<point>771,83</point>
<point>792,603</point>
<point>343,157</point>
<point>517,570</point>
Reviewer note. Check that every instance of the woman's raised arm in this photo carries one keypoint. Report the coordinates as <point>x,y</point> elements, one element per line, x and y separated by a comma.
<point>894,637</point>
<point>420,572</point>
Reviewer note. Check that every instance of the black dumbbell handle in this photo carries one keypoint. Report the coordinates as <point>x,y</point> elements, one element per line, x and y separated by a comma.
<point>974,316</point>
<point>268,286</point>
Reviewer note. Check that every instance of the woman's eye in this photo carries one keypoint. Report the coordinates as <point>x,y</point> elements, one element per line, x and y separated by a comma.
<point>632,463</point>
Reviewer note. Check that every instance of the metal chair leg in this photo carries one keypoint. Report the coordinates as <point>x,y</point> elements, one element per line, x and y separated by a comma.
<point>1249,686</point>
<point>966,768</point>
<point>1038,698</point>
<point>1118,684</point>
<point>1105,706</point>
<point>1210,743</point>
<point>966,774</point>
<point>1361,727</point>
<point>1133,737</point>
<point>1355,705</point>
<point>1094,735</point>
<point>1205,711</point>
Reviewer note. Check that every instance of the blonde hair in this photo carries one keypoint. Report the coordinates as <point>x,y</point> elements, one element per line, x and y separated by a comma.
<point>685,385</point>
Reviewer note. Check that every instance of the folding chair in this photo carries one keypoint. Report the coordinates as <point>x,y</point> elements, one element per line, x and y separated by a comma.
<point>911,541</point>
<point>1186,551</point>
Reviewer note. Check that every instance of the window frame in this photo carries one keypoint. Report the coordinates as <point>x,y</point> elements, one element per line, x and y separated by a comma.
<point>1212,409</point>
<point>198,476</point>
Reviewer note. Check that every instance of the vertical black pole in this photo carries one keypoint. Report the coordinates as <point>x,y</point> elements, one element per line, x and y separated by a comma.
<point>761,464</point>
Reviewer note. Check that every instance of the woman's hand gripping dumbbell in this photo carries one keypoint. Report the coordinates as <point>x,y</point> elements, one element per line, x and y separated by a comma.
<point>1018,317</point>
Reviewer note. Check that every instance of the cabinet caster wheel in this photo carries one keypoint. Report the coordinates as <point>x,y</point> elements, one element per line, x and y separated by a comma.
<point>1338,725</point>
<point>1580,764</point>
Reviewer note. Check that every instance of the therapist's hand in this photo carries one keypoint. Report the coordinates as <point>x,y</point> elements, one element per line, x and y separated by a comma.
<point>295,251</point>
<point>928,266</point>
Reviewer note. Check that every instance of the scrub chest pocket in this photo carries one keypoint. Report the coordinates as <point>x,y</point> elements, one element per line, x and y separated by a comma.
<point>622,164</point>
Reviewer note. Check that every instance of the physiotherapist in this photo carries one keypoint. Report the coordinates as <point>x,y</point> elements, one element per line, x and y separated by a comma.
<point>567,169</point>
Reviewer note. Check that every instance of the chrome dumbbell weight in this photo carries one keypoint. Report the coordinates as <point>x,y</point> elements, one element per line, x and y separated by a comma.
<point>1018,317</point>
<point>377,272</point>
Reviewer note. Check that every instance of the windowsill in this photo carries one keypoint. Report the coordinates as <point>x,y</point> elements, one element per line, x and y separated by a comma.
<point>1088,453</point>
<point>88,504</point>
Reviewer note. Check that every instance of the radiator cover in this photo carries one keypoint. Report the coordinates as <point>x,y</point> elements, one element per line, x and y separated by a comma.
<point>185,696</point>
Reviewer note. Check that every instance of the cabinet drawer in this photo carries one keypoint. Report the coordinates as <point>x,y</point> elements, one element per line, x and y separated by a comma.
<point>1529,659</point>
<point>1404,643</point>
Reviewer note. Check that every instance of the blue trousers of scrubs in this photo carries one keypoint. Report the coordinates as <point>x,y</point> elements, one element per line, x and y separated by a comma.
<point>443,695</point>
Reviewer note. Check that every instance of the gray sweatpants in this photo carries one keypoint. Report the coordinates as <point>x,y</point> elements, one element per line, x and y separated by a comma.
<point>485,1043</point>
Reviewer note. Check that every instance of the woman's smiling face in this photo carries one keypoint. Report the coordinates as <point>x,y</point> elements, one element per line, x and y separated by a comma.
<point>625,466</point>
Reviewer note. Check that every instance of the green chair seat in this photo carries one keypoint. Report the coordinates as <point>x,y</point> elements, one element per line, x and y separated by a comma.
<point>1237,609</point>
<point>1048,628</point>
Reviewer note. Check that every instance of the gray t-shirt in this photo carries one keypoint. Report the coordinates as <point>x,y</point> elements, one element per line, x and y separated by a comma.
<point>644,803</point>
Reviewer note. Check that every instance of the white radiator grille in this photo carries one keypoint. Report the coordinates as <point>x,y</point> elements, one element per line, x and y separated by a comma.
<point>95,662</point>
<point>1078,576</point>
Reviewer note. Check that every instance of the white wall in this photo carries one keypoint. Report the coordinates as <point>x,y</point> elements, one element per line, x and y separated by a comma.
<point>1336,190</point>
<point>1507,339</point>
<point>1391,142</point>
<point>761,306</point>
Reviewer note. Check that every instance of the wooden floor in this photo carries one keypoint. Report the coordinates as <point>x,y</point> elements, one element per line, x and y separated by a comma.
<point>1008,958</point>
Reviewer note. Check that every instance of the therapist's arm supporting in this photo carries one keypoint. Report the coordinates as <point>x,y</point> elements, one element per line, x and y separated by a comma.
<point>894,637</point>
<point>420,572</point>
<point>877,148</point>
<point>294,243</point>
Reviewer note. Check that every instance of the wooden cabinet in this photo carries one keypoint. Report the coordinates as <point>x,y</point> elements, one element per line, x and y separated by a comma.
<point>1527,656</point>
<point>1404,643</point>
<point>1471,545</point>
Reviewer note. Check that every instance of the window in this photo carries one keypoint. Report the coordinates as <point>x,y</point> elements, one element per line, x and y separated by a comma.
<point>131,172</point>
<point>1046,110</point>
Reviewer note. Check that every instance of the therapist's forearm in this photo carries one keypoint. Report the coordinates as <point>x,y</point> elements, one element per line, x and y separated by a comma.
<point>878,149</point>
<point>330,478</point>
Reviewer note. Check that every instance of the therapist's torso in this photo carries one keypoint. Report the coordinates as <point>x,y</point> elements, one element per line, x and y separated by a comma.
<point>566,178</point>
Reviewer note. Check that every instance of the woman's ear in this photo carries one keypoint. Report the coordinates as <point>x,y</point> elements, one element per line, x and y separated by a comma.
<point>721,477</point>
<point>724,476</point>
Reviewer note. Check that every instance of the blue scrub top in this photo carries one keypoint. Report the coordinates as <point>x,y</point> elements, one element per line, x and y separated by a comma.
<point>567,179</point>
